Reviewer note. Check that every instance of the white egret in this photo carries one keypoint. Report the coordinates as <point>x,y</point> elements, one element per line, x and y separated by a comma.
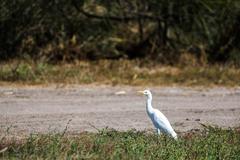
<point>158,119</point>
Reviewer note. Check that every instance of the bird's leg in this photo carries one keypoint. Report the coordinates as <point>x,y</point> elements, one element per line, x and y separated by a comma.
<point>158,131</point>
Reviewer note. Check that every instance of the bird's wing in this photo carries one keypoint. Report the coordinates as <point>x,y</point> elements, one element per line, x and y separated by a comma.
<point>162,122</point>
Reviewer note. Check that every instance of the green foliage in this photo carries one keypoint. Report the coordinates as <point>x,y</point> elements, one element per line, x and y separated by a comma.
<point>113,72</point>
<point>211,143</point>
<point>160,29</point>
<point>21,72</point>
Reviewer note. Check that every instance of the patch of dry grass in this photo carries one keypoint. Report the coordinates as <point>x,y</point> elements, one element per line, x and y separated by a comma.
<point>125,72</point>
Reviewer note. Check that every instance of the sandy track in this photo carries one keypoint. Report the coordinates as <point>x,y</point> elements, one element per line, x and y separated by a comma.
<point>28,110</point>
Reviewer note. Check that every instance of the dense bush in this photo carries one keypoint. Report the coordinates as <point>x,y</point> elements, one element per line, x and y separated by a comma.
<point>89,29</point>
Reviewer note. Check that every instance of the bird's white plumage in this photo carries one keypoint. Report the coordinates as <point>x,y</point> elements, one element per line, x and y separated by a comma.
<point>159,120</point>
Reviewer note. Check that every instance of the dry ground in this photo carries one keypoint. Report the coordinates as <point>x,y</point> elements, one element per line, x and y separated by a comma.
<point>25,110</point>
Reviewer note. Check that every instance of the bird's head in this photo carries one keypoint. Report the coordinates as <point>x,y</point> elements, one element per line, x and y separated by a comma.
<point>146,93</point>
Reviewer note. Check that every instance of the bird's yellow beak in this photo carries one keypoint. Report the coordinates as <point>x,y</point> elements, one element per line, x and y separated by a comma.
<point>141,92</point>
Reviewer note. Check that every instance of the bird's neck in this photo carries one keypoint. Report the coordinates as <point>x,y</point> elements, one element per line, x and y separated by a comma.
<point>149,105</point>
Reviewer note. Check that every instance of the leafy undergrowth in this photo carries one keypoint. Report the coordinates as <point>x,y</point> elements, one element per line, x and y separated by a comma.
<point>112,72</point>
<point>211,143</point>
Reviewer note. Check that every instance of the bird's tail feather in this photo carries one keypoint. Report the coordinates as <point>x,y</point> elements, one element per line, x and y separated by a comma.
<point>174,135</point>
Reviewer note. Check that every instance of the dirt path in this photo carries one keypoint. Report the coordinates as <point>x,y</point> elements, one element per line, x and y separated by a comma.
<point>34,109</point>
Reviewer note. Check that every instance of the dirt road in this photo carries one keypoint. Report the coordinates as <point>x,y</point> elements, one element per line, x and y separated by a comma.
<point>28,110</point>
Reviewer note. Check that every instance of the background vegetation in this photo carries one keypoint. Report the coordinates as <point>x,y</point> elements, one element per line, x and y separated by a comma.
<point>166,31</point>
<point>112,72</point>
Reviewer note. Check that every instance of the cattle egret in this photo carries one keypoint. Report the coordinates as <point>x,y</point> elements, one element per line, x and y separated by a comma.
<point>158,119</point>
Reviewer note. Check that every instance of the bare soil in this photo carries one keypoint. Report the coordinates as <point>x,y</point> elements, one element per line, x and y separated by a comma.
<point>26,110</point>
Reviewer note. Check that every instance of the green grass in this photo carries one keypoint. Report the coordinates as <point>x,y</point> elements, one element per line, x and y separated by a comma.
<point>211,143</point>
<point>124,72</point>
